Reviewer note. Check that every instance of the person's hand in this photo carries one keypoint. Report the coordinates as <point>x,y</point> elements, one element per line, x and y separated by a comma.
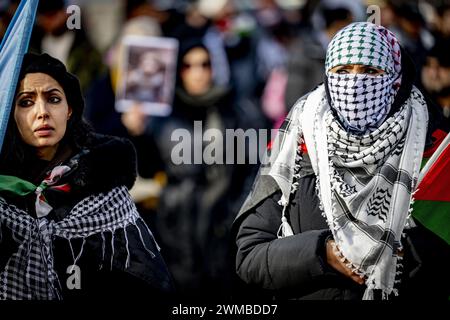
<point>134,120</point>
<point>334,260</point>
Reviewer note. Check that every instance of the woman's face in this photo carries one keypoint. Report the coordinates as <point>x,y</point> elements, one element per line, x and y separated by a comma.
<point>196,72</point>
<point>357,69</point>
<point>41,113</point>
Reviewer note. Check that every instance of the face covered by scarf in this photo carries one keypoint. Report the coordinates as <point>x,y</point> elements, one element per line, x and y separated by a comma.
<point>362,101</point>
<point>366,160</point>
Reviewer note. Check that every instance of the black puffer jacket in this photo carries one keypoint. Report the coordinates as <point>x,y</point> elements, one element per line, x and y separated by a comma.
<point>103,164</point>
<point>295,267</point>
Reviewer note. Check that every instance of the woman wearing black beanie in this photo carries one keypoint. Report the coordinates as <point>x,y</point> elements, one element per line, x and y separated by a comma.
<point>69,228</point>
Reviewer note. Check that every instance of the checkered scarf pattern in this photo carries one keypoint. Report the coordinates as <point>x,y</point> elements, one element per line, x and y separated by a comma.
<point>364,183</point>
<point>363,102</point>
<point>29,273</point>
<point>366,44</point>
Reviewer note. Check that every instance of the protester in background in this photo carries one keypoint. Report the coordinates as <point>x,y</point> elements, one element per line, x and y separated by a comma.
<point>65,209</point>
<point>100,100</point>
<point>441,23</point>
<point>7,9</point>
<point>199,23</point>
<point>201,198</point>
<point>307,54</point>
<point>51,35</point>
<point>436,78</point>
<point>410,28</point>
<point>231,34</point>
<point>167,13</point>
<point>326,216</point>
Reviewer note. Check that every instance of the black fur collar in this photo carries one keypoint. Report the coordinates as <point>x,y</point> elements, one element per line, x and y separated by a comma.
<point>106,162</point>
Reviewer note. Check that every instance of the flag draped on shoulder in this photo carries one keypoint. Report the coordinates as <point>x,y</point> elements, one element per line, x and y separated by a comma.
<point>432,199</point>
<point>12,49</point>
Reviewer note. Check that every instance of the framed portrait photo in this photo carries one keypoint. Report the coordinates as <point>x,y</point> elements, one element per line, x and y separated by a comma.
<point>147,75</point>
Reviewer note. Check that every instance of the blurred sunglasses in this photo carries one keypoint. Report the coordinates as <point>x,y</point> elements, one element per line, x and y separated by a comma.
<point>203,65</point>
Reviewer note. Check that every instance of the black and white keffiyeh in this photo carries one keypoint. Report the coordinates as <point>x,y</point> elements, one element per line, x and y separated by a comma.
<point>363,101</point>
<point>29,273</point>
<point>364,180</point>
<point>365,183</point>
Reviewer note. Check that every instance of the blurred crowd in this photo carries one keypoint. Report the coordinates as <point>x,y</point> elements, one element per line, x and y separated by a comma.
<point>241,64</point>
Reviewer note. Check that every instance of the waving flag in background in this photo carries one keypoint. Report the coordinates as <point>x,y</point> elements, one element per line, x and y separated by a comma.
<point>432,199</point>
<point>12,50</point>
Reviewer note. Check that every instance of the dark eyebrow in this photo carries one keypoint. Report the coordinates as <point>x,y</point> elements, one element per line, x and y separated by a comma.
<point>25,92</point>
<point>34,93</point>
<point>376,69</point>
<point>342,67</point>
<point>53,90</point>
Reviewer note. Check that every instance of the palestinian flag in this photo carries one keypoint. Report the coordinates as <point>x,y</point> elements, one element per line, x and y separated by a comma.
<point>432,198</point>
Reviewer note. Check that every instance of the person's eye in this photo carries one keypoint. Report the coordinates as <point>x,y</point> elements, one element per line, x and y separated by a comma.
<point>24,103</point>
<point>342,71</point>
<point>372,71</point>
<point>54,99</point>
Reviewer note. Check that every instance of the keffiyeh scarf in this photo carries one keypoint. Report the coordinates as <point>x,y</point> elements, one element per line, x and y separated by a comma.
<point>365,184</point>
<point>29,273</point>
<point>363,101</point>
<point>364,181</point>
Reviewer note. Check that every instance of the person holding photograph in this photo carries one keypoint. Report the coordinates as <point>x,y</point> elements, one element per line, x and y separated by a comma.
<point>200,200</point>
<point>329,214</point>
<point>100,109</point>
<point>68,226</point>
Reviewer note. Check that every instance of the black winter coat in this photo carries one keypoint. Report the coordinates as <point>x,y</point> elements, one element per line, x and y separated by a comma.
<point>200,200</point>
